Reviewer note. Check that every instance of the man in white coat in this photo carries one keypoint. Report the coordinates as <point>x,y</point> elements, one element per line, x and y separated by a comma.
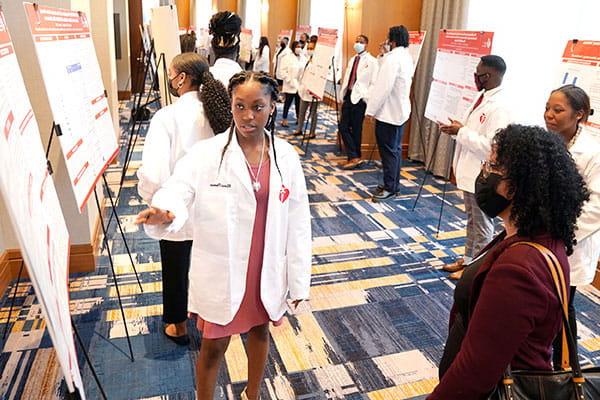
<point>360,75</point>
<point>389,104</point>
<point>474,135</point>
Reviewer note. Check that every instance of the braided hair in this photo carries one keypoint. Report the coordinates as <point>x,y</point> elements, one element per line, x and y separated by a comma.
<point>213,95</point>
<point>225,27</point>
<point>272,87</point>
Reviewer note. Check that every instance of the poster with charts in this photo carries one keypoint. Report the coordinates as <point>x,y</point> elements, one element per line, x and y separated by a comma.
<point>73,82</point>
<point>453,88</point>
<point>581,66</point>
<point>30,197</point>
<point>245,44</point>
<point>300,29</point>
<point>415,44</point>
<point>164,28</point>
<point>315,76</point>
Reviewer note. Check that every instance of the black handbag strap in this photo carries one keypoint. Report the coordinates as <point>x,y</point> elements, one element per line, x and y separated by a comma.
<point>569,343</point>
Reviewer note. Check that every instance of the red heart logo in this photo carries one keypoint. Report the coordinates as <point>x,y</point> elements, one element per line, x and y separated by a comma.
<point>284,193</point>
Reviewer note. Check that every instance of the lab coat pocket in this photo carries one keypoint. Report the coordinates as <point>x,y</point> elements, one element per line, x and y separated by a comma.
<point>216,215</point>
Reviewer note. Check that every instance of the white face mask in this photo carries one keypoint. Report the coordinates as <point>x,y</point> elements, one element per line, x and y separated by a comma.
<point>387,47</point>
<point>359,47</point>
<point>297,51</point>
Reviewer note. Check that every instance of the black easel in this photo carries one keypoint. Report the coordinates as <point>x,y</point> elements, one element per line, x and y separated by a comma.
<point>56,130</point>
<point>314,102</point>
<point>76,395</point>
<point>12,301</point>
<point>335,96</point>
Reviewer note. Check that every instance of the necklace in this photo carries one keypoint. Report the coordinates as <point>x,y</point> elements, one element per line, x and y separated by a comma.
<point>574,138</point>
<point>255,181</point>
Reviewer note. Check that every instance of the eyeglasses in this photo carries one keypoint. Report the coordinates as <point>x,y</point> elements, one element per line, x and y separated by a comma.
<point>488,168</point>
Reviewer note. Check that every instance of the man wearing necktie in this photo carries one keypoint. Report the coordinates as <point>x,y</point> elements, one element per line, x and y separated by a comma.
<point>361,74</point>
<point>485,117</point>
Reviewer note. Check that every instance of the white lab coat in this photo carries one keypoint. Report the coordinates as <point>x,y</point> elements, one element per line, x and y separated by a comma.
<point>225,208</point>
<point>292,69</point>
<point>303,92</point>
<point>366,76</point>
<point>278,61</point>
<point>173,131</point>
<point>389,97</point>
<point>224,69</point>
<point>584,260</point>
<point>261,61</point>
<point>474,139</point>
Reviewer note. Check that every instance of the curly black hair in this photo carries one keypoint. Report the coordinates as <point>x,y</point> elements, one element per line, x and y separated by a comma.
<point>225,27</point>
<point>271,85</point>
<point>213,95</point>
<point>187,42</point>
<point>546,188</point>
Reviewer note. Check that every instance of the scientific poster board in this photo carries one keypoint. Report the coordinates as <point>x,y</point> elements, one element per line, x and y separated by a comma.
<point>245,44</point>
<point>285,33</point>
<point>73,82</point>
<point>415,44</point>
<point>581,66</point>
<point>165,32</point>
<point>315,76</point>
<point>33,207</point>
<point>453,88</point>
<point>300,29</point>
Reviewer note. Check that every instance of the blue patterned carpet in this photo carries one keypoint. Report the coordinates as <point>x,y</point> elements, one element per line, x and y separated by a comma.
<point>374,328</point>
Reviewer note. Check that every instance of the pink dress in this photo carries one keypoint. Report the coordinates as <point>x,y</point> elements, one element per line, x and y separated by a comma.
<point>252,312</point>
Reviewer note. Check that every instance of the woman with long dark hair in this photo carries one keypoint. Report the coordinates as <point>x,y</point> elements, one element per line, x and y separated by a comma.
<point>506,311</point>
<point>262,56</point>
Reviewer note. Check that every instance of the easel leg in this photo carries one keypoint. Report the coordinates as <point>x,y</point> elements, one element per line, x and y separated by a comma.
<point>116,215</point>
<point>444,194</point>
<point>313,103</point>
<point>112,267</point>
<point>437,140</point>
<point>89,362</point>
<point>12,301</point>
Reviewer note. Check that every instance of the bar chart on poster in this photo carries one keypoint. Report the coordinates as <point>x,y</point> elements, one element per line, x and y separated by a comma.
<point>453,87</point>
<point>73,82</point>
<point>34,210</point>
<point>581,66</point>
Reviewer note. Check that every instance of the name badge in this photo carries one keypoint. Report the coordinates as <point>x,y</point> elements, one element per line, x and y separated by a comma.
<point>221,185</point>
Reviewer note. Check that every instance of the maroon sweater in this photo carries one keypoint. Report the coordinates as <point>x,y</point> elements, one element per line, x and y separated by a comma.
<point>514,320</point>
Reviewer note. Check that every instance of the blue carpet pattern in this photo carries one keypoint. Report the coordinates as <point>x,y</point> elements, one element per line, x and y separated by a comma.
<point>374,328</point>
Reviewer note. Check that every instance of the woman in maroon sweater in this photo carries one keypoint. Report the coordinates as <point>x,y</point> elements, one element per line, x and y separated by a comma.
<point>509,306</point>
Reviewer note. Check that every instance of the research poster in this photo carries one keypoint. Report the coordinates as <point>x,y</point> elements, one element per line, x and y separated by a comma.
<point>415,44</point>
<point>164,27</point>
<point>73,82</point>
<point>315,75</point>
<point>33,207</point>
<point>285,33</point>
<point>581,66</point>
<point>300,29</point>
<point>245,44</point>
<point>453,88</point>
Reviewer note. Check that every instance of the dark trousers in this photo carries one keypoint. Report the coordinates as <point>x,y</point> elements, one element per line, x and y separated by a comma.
<point>351,123</point>
<point>175,260</point>
<point>389,142</point>
<point>557,345</point>
<point>289,97</point>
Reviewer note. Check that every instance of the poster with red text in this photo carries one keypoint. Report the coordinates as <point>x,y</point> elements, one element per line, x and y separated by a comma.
<point>34,210</point>
<point>73,82</point>
<point>581,66</point>
<point>300,29</point>
<point>245,44</point>
<point>285,33</point>
<point>415,44</point>
<point>453,87</point>
<point>315,75</point>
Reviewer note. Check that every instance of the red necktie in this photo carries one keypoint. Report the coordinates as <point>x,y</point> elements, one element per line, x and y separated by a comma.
<point>478,102</point>
<point>352,79</point>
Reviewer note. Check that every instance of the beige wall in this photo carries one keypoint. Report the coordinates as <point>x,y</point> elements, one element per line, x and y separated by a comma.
<point>123,65</point>
<point>79,225</point>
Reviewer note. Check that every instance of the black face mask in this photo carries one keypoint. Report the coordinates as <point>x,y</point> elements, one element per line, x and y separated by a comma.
<point>490,202</point>
<point>172,90</point>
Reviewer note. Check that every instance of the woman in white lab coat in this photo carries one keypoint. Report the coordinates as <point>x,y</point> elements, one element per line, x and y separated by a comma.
<point>291,69</point>
<point>252,234</point>
<point>306,98</point>
<point>202,109</point>
<point>262,56</point>
<point>567,110</point>
<point>225,28</point>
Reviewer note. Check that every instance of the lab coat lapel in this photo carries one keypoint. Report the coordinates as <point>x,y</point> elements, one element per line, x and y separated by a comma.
<point>238,166</point>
